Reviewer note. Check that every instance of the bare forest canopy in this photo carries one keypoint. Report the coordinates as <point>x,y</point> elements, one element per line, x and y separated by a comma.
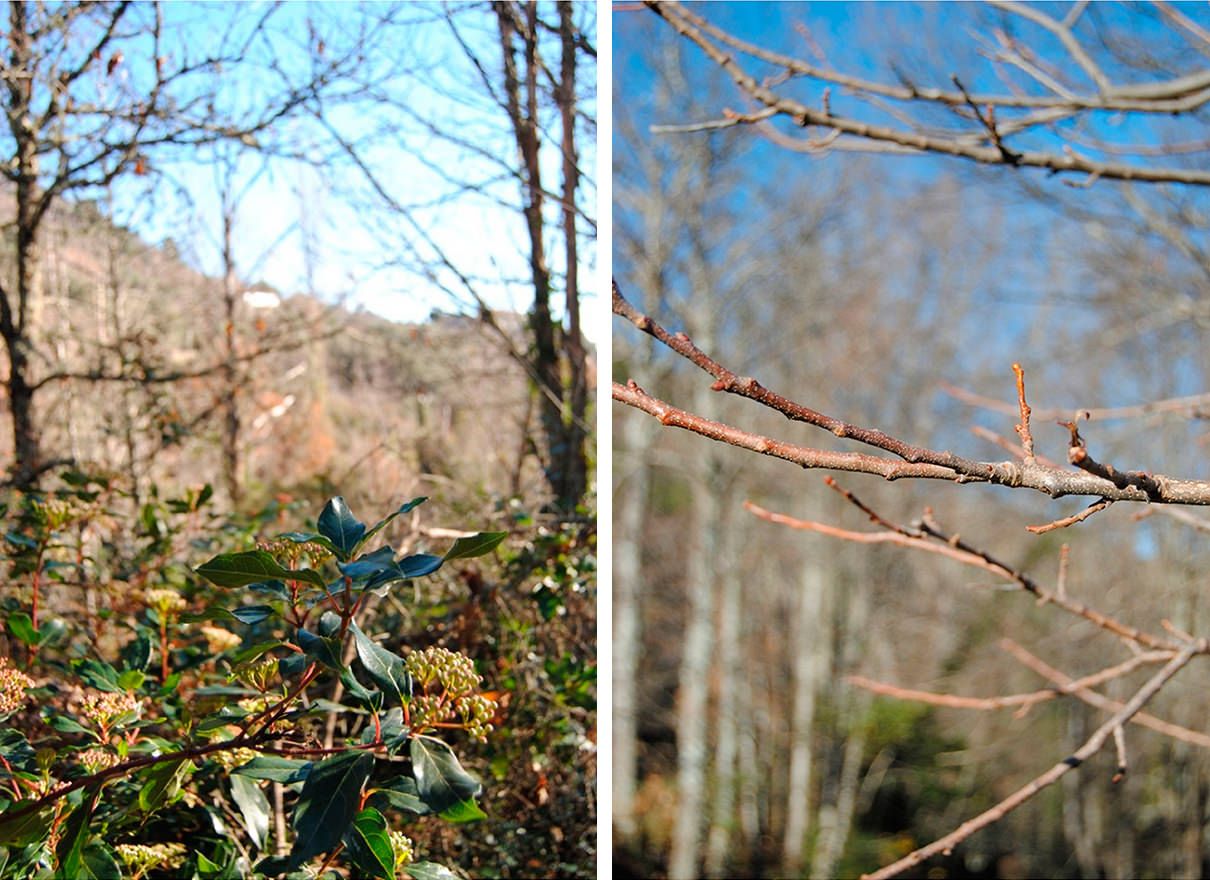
<point>954,256</point>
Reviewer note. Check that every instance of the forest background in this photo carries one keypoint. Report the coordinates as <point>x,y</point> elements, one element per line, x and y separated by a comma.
<point>791,704</point>
<point>257,256</point>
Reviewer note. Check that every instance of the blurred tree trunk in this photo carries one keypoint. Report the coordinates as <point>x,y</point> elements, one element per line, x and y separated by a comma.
<point>693,680</point>
<point>810,658</point>
<point>719,840</point>
<point>231,377</point>
<point>635,439</point>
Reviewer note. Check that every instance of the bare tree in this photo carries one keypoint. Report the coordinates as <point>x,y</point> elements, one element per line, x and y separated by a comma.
<point>95,92</point>
<point>1047,71</point>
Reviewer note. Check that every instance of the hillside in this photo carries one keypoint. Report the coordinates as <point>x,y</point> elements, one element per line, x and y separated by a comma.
<point>320,390</point>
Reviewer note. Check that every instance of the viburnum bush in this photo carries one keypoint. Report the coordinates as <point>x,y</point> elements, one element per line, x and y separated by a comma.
<point>202,746</point>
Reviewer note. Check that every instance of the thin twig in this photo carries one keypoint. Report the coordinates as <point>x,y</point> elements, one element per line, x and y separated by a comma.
<point>1010,803</point>
<point>1105,704</point>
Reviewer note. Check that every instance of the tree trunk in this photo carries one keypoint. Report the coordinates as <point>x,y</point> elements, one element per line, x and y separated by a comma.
<point>629,512</point>
<point>694,678</point>
<point>727,727</point>
<point>231,415</point>
<point>575,464</point>
<point>808,661</point>
<point>545,357</point>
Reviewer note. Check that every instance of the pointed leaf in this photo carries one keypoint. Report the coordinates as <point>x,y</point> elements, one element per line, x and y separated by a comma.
<point>440,780</point>
<point>25,829</point>
<point>162,783</point>
<point>466,811</point>
<point>337,524</point>
<point>283,770</point>
<point>402,794</point>
<point>98,863</point>
<point>252,614</point>
<point>22,627</point>
<point>475,545</point>
<point>250,567</point>
<point>326,651</point>
<point>74,835</point>
<point>253,806</point>
<point>383,523</point>
<point>386,669</point>
<point>100,675</point>
<point>369,847</point>
<point>419,565</point>
<point>328,803</point>
<point>369,564</point>
<point>429,871</point>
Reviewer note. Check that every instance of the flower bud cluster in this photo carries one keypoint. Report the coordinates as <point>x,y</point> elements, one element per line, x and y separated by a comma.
<point>403,847</point>
<point>219,640</point>
<point>257,705</point>
<point>257,675</point>
<point>107,710</point>
<point>232,758</point>
<point>13,683</point>
<point>454,672</point>
<point>139,857</point>
<point>55,513</point>
<point>96,760</point>
<point>167,602</point>
<point>292,555</point>
<point>448,684</point>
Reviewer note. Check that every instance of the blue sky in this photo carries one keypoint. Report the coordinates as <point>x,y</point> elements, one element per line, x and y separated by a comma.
<point>299,226</point>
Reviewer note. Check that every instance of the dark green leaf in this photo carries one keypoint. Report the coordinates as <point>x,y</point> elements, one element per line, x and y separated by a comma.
<point>369,846</point>
<point>162,783</point>
<point>337,524</point>
<point>369,564</point>
<point>252,614</point>
<point>64,724</point>
<point>275,589</point>
<point>250,567</point>
<point>355,688</point>
<point>326,651</point>
<point>52,631</point>
<point>440,780</point>
<point>74,835</point>
<point>131,679</point>
<point>328,803</point>
<point>20,625</point>
<point>409,567</point>
<point>253,806</point>
<point>475,545</point>
<point>100,675</point>
<point>273,866</point>
<point>386,669</point>
<point>403,795</point>
<point>329,624</point>
<point>467,811</point>
<point>419,565</point>
<point>224,716</point>
<point>283,770</point>
<point>253,651</point>
<point>137,653</point>
<point>429,871</point>
<point>170,684</point>
<point>26,829</point>
<point>98,863</point>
